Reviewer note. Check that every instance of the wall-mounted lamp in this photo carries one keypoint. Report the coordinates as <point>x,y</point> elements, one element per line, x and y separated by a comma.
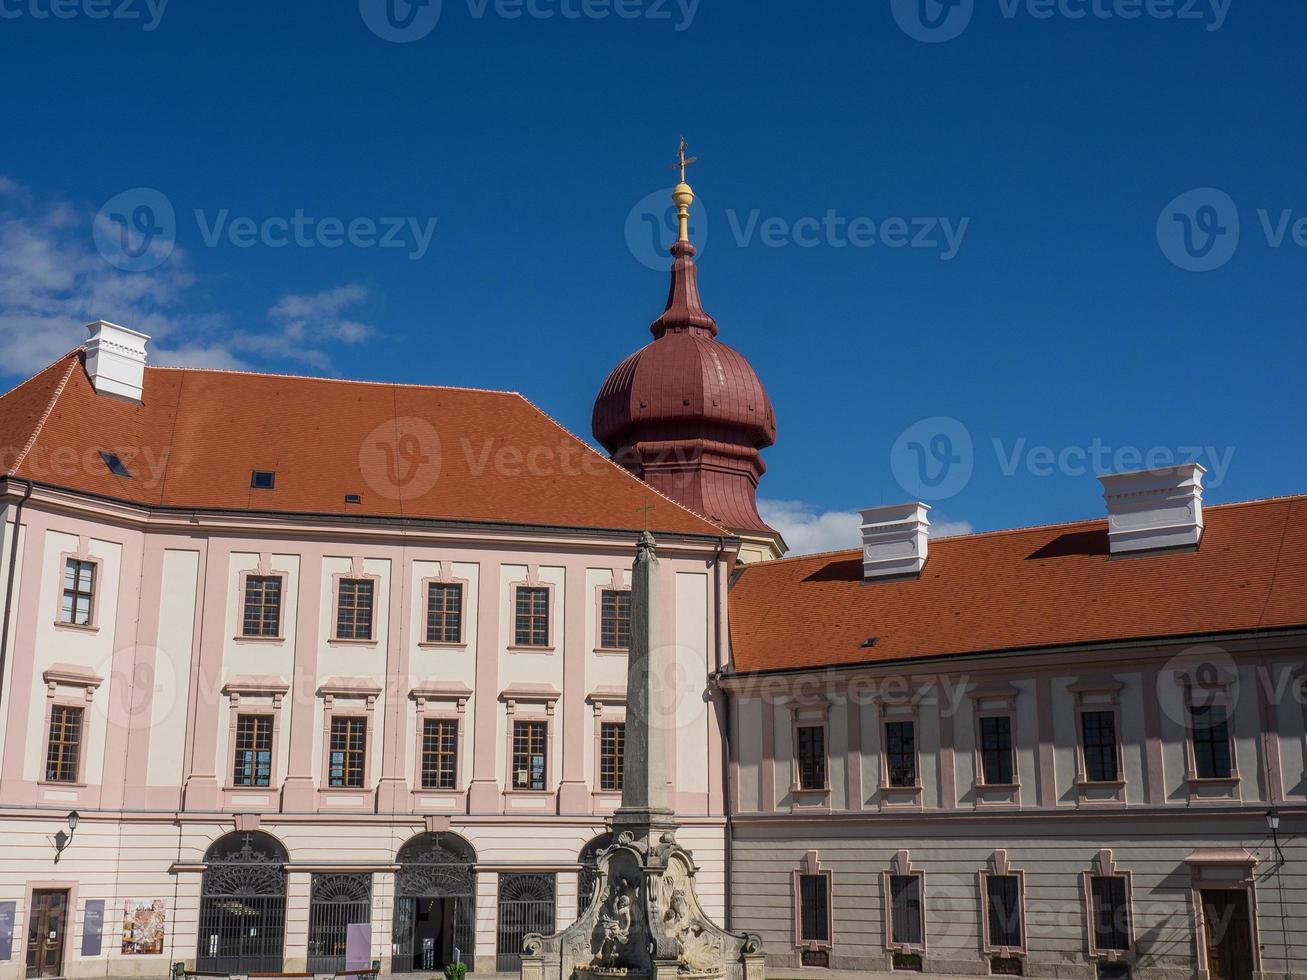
<point>62,840</point>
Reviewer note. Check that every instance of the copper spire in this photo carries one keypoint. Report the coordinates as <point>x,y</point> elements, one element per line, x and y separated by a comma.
<point>683,311</point>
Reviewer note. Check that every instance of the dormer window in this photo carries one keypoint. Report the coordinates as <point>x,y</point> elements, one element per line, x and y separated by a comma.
<point>263,480</point>
<point>115,465</point>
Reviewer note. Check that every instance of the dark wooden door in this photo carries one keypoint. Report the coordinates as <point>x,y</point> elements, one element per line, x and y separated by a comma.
<point>1229,935</point>
<point>45,933</point>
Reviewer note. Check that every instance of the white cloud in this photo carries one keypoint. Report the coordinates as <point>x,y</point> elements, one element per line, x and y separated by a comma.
<point>53,280</point>
<point>808,530</point>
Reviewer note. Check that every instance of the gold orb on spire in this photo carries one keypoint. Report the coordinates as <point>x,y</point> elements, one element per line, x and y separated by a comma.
<point>682,194</point>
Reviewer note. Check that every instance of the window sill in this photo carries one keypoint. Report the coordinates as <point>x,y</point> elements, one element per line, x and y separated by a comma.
<point>518,791</point>
<point>530,649</point>
<point>259,639</point>
<point>995,796</point>
<point>1113,955</point>
<point>899,797</point>
<point>1212,789</point>
<point>56,784</point>
<point>346,790</point>
<point>613,651</point>
<point>911,949</point>
<point>337,641</point>
<point>270,788</point>
<point>810,800</point>
<point>76,627</point>
<point>1092,793</point>
<point>442,645</point>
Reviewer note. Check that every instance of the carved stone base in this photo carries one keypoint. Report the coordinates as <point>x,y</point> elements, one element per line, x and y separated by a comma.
<point>644,922</point>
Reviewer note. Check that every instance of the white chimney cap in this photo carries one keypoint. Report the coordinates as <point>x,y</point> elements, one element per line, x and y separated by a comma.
<point>1152,510</point>
<point>894,540</point>
<point>115,359</point>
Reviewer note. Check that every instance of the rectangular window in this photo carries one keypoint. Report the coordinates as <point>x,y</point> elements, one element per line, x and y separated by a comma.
<point>1210,731</point>
<point>612,753</point>
<point>262,616</point>
<point>253,762</point>
<point>439,753</point>
<point>444,612</point>
<point>64,750</point>
<point>1098,741</point>
<point>531,617</point>
<point>354,609</point>
<point>996,751</point>
<point>1003,909</point>
<point>812,756</point>
<point>529,754</point>
<point>1111,912</point>
<point>615,620</point>
<point>349,749</point>
<point>905,902</point>
<point>814,908</point>
<point>79,593</point>
<point>901,753</point>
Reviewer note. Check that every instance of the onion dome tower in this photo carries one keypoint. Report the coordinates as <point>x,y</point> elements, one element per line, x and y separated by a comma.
<point>687,414</point>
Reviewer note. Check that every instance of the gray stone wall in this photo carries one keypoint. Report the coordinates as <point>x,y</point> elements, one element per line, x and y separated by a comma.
<point>1053,852</point>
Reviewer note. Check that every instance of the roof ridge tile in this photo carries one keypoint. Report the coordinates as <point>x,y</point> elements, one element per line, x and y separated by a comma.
<point>627,474</point>
<point>318,378</point>
<point>45,416</point>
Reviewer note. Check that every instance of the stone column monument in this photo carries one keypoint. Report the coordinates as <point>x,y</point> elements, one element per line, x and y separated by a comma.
<point>643,918</point>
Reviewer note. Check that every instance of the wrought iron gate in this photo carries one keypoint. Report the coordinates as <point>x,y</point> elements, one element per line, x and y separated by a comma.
<point>526,904</point>
<point>242,905</point>
<point>435,878</point>
<point>336,902</point>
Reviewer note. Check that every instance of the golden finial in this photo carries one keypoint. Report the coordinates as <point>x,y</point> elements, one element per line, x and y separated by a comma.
<point>682,195</point>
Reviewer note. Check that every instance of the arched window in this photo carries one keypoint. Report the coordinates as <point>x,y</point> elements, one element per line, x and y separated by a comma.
<point>242,905</point>
<point>435,903</point>
<point>336,902</point>
<point>526,905</point>
<point>589,874</point>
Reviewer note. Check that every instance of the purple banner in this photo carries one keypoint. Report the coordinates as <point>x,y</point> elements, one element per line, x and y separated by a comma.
<point>358,946</point>
<point>93,927</point>
<point>7,910</point>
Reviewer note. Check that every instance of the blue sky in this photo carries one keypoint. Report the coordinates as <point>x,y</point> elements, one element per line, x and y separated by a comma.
<point>961,245</point>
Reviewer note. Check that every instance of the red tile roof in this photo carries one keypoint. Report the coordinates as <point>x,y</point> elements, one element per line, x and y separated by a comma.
<point>1030,588</point>
<point>483,456</point>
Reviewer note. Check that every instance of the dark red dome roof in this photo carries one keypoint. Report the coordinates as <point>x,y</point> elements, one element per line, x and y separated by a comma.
<point>688,414</point>
<point>685,376</point>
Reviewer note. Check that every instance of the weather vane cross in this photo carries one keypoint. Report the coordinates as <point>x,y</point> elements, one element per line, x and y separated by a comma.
<point>645,511</point>
<point>682,161</point>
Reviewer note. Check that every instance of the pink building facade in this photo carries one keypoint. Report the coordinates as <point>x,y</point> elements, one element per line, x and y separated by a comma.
<point>275,724</point>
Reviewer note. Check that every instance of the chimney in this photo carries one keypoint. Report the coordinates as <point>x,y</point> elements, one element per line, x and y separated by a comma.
<point>1154,510</point>
<point>115,359</point>
<point>894,541</point>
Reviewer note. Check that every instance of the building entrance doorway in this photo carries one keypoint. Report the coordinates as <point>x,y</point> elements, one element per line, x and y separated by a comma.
<point>435,904</point>
<point>45,933</point>
<point>428,922</point>
<point>1228,934</point>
